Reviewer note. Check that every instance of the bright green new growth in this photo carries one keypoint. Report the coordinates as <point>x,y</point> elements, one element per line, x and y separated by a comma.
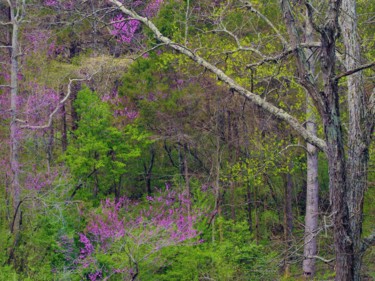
<point>98,151</point>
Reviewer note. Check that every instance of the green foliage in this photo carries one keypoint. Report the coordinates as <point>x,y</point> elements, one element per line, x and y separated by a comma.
<point>98,151</point>
<point>235,257</point>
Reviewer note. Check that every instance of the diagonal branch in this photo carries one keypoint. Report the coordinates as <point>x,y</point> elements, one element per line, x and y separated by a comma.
<point>279,57</point>
<point>257,100</point>
<point>252,9</point>
<point>50,118</point>
<point>352,71</point>
<point>239,46</point>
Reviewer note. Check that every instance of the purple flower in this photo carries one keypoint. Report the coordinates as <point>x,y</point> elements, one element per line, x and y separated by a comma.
<point>124,29</point>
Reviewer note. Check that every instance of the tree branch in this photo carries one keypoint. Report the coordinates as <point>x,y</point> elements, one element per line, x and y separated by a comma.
<point>320,258</point>
<point>252,9</point>
<point>239,46</point>
<point>352,71</point>
<point>257,100</point>
<point>50,118</point>
<point>6,23</point>
<point>289,51</point>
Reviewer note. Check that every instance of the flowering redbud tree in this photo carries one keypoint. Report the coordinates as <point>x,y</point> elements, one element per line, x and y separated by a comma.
<point>126,234</point>
<point>124,29</point>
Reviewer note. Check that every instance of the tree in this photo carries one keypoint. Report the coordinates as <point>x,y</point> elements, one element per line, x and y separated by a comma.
<point>347,169</point>
<point>312,185</point>
<point>16,17</point>
<point>99,151</point>
<point>133,233</point>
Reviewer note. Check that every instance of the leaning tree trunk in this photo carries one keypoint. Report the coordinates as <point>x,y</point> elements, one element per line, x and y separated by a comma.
<point>358,136</point>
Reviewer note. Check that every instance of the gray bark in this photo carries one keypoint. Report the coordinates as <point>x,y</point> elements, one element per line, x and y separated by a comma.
<point>312,200</point>
<point>14,146</point>
<point>359,135</point>
<point>288,220</point>
<point>312,186</point>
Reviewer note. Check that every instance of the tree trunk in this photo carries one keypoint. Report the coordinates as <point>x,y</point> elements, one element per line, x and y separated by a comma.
<point>312,185</point>
<point>288,221</point>
<point>14,129</point>
<point>312,207</point>
<point>187,178</point>
<point>249,211</point>
<point>335,153</point>
<point>148,171</point>
<point>358,136</point>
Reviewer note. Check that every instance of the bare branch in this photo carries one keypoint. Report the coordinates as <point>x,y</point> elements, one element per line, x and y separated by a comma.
<point>6,23</point>
<point>257,100</point>
<point>239,46</point>
<point>278,57</point>
<point>252,9</point>
<point>320,258</point>
<point>293,146</point>
<point>147,51</point>
<point>352,71</point>
<point>50,118</point>
<point>310,15</point>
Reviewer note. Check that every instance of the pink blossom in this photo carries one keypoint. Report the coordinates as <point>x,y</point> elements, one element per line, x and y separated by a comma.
<point>124,29</point>
<point>87,249</point>
<point>51,3</point>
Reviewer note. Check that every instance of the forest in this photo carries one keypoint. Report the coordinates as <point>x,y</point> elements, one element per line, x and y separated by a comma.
<point>187,140</point>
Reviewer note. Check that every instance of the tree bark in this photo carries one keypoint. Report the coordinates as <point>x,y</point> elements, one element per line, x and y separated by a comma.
<point>359,135</point>
<point>336,155</point>
<point>312,200</point>
<point>14,129</point>
<point>312,185</point>
<point>288,221</point>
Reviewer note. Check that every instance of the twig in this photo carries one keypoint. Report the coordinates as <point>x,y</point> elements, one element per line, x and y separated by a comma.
<point>352,71</point>
<point>49,123</point>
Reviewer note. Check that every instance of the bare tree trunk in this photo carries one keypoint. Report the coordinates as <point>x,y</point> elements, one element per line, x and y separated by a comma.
<point>336,155</point>
<point>312,186</point>
<point>232,159</point>
<point>358,136</point>
<point>217,186</point>
<point>256,211</point>
<point>249,209</point>
<point>148,171</point>
<point>288,221</point>
<point>187,178</point>
<point>312,200</point>
<point>14,129</point>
